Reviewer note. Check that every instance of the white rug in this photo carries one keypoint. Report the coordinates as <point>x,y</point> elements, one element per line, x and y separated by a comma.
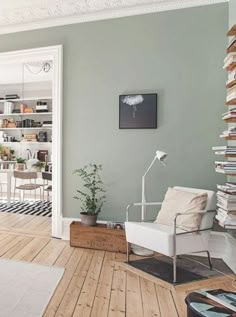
<point>26,288</point>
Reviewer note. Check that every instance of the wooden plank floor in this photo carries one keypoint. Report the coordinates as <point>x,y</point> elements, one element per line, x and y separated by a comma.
<point>25,224</point>
<point>94,283</point>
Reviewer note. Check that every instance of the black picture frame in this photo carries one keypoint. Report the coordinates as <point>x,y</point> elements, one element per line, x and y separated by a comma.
<point>138,111</point>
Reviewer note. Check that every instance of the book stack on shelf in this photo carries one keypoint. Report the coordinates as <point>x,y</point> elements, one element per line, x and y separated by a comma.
<point>226,150</point>
<point>229,116</point>
<point>229,134</point>
<point>226,205</point>
<point>227,167</point>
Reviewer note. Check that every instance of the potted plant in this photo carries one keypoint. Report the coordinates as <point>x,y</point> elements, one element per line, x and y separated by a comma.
<point>38,166</point>
<point>4,156</point>
<point>12,155</point>
<point>92,196</point>
<point>20,164</point>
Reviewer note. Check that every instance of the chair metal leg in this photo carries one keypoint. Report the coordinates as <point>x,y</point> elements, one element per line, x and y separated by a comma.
<point>174,269</point>
<point>209,260</point>
<point>127,252</point>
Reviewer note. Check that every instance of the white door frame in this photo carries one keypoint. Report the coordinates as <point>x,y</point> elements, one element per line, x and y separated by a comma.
<point>54,53</point>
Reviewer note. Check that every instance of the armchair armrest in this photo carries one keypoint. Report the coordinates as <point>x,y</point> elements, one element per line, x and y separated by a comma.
<point>140,204</point>
<point>202,212</point>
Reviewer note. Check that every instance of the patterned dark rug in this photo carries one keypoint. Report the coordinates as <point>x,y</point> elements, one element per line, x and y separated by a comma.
<point>36,208</point>
<point>187,269</point>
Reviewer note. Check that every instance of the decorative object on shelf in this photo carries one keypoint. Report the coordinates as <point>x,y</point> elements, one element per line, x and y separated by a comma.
<point>42,136</point>
<point>93,196</point>
<point>20,164</point>
<point>138,111</point>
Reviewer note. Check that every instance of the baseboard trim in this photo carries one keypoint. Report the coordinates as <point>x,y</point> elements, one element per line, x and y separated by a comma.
<point>221,244</point>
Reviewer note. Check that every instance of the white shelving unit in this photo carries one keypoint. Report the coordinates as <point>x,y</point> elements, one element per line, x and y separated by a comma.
<point>3,115</point>
<point>25,99</point>
<point>30,99</point>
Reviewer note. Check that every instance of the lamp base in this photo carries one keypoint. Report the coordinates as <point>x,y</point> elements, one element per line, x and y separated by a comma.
<point>137,250</point>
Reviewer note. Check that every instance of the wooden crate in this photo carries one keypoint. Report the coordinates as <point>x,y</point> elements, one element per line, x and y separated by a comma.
<point>98,238</point>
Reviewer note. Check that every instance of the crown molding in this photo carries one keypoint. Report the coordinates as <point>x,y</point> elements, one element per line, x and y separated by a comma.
<point>109,14</point>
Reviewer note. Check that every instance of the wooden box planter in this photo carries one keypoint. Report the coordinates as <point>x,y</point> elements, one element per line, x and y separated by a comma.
<point>98,238</point>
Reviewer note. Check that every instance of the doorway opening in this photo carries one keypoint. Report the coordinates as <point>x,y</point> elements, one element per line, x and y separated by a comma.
<point>30,140</point>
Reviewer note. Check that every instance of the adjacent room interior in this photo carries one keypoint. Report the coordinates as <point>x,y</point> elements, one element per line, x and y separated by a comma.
<point>117,158</point>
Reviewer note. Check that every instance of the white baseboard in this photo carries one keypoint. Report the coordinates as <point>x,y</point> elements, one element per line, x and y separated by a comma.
<point>221,244</point>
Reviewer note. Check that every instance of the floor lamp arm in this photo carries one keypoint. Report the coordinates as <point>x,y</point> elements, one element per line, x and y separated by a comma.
<point>143,189</point>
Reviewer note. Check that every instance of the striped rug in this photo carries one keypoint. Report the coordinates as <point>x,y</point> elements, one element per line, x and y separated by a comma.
<point>36,208</point>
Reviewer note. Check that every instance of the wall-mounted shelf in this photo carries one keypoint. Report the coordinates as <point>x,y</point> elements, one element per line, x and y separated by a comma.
<point>231,102</point>
<point>224,172</point>
<point>231,84</point>
<point>232,31</point>
<point>25,114</point>
<point>26,99</point>
<point>38,128</point>
<point>24,142</point>
<point>230,120</point>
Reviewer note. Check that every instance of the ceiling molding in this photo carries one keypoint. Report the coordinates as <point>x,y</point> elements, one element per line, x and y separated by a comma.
<point>138,9</point>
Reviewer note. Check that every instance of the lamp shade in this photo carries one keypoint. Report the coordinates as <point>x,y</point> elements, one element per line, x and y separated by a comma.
<point>161,156</point>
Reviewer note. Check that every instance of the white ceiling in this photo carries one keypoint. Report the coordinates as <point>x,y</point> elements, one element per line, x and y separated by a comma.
<point>20,15</point>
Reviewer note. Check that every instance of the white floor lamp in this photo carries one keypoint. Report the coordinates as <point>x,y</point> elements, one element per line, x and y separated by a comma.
<point>161,156</point>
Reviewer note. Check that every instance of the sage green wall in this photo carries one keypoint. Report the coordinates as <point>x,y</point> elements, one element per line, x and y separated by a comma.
<point>177,54</point>
<point>232,13</point>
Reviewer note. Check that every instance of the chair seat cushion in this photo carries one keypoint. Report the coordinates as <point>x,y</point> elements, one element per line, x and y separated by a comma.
<point>153,236</point>
<point>28,186</point>
<point>180,201</point>
<point>160,238</point>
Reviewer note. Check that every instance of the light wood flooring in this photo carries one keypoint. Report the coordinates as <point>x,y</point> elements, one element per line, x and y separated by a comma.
<point>94,283</point>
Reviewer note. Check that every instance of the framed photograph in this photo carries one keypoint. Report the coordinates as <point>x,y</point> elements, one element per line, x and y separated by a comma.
<point>138,111</point>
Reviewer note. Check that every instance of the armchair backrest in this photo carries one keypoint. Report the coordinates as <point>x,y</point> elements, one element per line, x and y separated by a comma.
<point>208,217</point>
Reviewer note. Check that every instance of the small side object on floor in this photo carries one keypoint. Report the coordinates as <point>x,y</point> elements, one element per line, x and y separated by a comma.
<point>208,303</point>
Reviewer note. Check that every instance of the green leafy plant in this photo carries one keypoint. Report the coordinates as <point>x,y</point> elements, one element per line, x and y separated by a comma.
<point>20,160</point>
<point>92,197</point>
<point>39,164</point>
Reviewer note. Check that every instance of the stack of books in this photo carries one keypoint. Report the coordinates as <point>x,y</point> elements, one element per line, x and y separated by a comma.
<point>229,115</point>
<point>231,78</point>
<point>226,205</point>
<point>225,150</point>
<point>225,167</point>
<point>232,45</point>
<point>229,61</point>
<point>231,94</point>
<point>230,133</point>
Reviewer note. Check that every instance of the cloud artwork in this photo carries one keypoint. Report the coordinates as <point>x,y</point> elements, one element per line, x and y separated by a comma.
<point>133,101</point>
<point>138,111</point>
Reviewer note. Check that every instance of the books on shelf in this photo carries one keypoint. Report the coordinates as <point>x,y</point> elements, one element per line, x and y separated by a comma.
<point>229,60</point>
<point>224,150</point>
<point>226,167</point>
<point>226,205</point>
<point>231,132</point>
<point>229,114</point>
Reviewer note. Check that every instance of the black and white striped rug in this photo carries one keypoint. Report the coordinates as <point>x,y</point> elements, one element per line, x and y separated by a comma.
<point>36,208</point>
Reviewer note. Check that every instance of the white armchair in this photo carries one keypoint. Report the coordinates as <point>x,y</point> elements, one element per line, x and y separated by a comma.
<point>170,240</point>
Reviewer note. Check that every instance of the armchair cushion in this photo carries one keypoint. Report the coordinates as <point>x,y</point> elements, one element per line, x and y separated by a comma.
<point>180,201</point>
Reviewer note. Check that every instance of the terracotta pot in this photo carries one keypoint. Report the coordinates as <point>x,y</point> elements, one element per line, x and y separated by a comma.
<point>88,220</point>
<point>20,166</point>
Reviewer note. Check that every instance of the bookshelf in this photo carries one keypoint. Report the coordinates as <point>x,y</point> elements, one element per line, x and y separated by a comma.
<point>226,194</point>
